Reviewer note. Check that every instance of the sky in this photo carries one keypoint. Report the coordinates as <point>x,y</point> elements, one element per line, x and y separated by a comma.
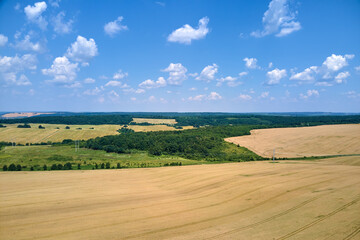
<point>180,56</point>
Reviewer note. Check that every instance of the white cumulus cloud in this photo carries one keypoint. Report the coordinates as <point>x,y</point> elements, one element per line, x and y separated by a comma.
<point>337,62</point>
<point>230,81</point>
<point>243,74</point>
<point>197,98</point>
<point>161,82</point>
<point>16,64</point>
<point>61,26</point>
<point>214,96</point>
<point>177,73</point>
<point>139,91</point>
<point>3,40</point>
<point>27,45</point>
<point>186,33</point>
<point>54,3</point>
<point>34,14</point>
<point>275,76</point>
<point>307,75</point>
<point>208,73</point>
<point>112,28</point>
<point>93,92</point>
<point>82,50</point>
<point>250,63</point>
<point>114,83</point>
<point>62,70</point>
<point>278,20</point>
<point>201,97</point>
<point>309,93</point>
<point>10,67</point>
<point>89,80</point>
<point>120,74</point>
<point>74,85</point>
<point>341,77</point>
<point>245,97</point>
<point>324,74</point>
<point>12,79</point>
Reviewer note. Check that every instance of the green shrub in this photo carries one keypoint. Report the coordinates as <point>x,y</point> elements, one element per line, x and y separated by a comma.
<point>12,167</point>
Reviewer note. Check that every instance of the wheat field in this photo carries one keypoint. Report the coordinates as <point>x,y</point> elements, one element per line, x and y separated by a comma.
<point>253,200</point>
<point>54,132</point>
<point>303,141</point>
<point>57,132</point>
<point>154,121</point>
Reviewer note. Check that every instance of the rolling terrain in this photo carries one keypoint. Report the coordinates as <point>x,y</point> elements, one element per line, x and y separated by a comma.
<point>289,199</point>
<point>304,141</point>
<point>253,200</point>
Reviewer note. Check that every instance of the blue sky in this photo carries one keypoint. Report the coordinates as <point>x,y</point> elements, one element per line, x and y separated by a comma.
<point>228,56</point>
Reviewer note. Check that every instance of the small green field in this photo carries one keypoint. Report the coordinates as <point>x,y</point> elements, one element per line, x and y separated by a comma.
<point>38,156</point>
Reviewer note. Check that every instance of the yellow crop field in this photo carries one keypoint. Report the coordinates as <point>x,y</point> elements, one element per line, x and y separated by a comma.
<point>57,132</point>
<point>152,128</point>
<point>303,141</point>
<point>54,132</point>
<point>154,121</point>
<point>253,200</point>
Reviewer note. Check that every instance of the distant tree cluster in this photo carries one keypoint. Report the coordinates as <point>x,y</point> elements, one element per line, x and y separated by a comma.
<point>66,166</point>
<point>41,127</point>
<point>125,130</point>
<point>196,119</point>
<point>263,119</point>
<point>12,167</point>
<point>173,164</point>
<point>25,125</point>
<point>203,143</point>
<point>2,126</point>
<point>3,144</point>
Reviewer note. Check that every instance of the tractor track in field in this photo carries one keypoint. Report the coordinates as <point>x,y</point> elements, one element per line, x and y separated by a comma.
<point>352,234</point>
<point>274,216</point>
<point>303,228</point>
<point>169,202</point>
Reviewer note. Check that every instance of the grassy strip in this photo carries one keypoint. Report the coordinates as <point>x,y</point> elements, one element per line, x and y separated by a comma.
<point>318,157</point>
<point>35,157</point>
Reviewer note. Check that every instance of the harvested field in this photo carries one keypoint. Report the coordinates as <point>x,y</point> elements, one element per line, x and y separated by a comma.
<point>51,133</point>
<point>304,141</point>
<point>24,114</point>
<point>154,121</point>
<point>153,128</point>
<point>57,132</point>
<point>253,200</point>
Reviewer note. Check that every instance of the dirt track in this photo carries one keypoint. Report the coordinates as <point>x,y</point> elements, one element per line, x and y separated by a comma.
<point>253,200</point>
<point>304,141</point>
